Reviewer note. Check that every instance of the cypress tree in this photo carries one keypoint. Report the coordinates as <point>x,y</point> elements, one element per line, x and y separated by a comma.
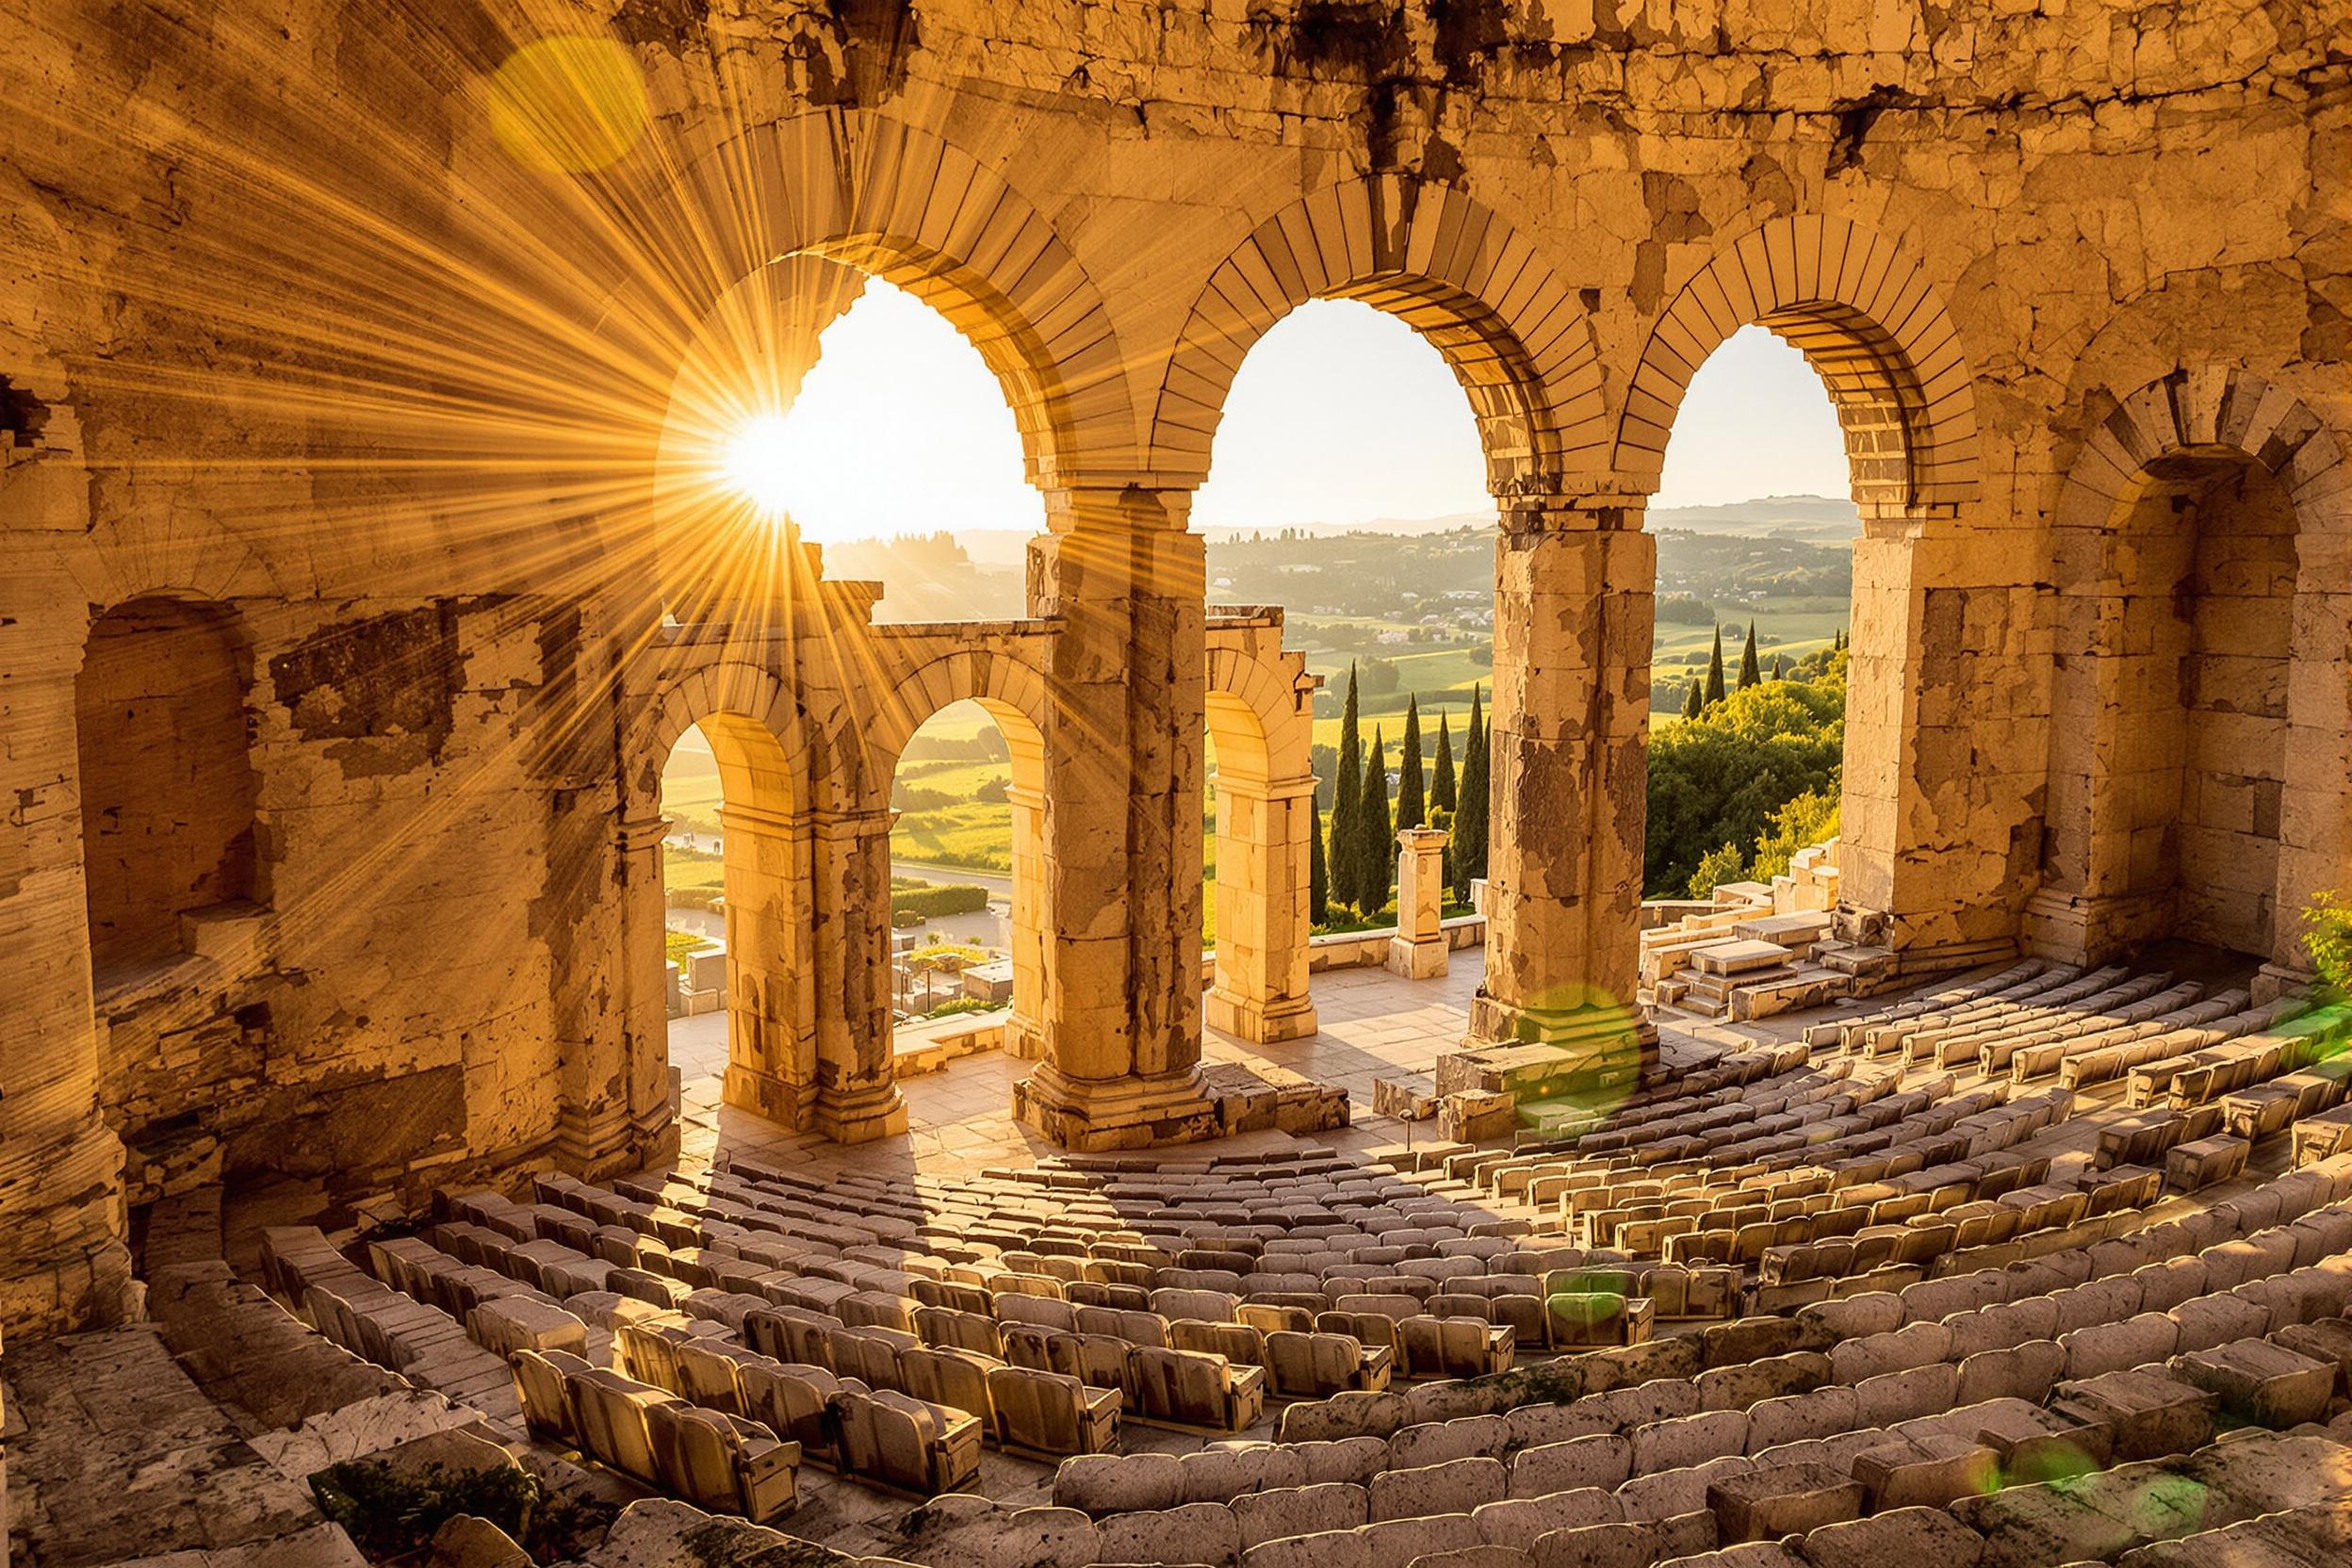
<point>1412,804</point>
<point>1693,703</point>
<point>1780,667</point>
<point>1344,789</point>
<point>1749,673</point>
<point>1318,871</point>
<point>1376,865</point>
<point>1715,671</point>
<point>1471,813</point>
<point>1442,779</point>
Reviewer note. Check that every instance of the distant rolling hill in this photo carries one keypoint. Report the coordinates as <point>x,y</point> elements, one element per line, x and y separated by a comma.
<point>1811,519</point>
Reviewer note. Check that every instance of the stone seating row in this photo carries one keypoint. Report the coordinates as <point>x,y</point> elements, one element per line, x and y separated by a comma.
<point>2253,1283</point>
<point>1023,1410</point>
<point>1847,1033</point>
<point>1514,1503</point>
<point>2147,1001</point>
<point>1162,1385</point>
<point>1921,1037</point>
<point>1765,1482</point>
<point>379,1324</point>
<point>2103,1050</point>
<point>709,1457</point>
<point>2147,1063</point>
<point>2297,1037</point>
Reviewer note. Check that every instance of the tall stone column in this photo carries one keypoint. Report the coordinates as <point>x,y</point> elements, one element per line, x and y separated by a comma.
<point>1264,839</point>
<point>1025,1031</point>
<point>857,1098</point>
<point>1946,735</point>
<point>1121,840</point>
<point>63,1262</point>
<point>616,1119</point>
<point>771,1004</point>
<point>1575,578</point>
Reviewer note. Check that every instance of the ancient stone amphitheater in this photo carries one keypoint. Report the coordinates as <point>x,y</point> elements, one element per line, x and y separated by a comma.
<point>1980,1192</point>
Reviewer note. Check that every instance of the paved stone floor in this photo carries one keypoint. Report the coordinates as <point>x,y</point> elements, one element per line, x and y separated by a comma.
<point>1374,1024</point>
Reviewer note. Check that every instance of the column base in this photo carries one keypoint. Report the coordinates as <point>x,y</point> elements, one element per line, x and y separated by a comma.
<point>1094,1116</point>
<point>1259,1022</point>
<point>598,1143</point>
<point>1529,1053</point>
<point>763,1095</point>
<point>2087,929</point>
<point>1418,960</point>
<point>862,1114</point>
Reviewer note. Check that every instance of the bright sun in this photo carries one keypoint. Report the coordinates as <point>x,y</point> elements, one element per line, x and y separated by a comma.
<point>757,464</point>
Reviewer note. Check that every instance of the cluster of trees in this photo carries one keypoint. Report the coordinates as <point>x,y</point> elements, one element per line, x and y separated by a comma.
<point>1353,868</point>
<point>1756,766</point>
<point>1709,689</point>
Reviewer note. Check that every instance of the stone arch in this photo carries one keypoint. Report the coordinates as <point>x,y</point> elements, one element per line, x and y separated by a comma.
<point>1862,311</point>
<point>756,710</point>
<point>1010,687</point>
<point>2234,451</point>
<point>873,192</point>
<point>1482,292</point>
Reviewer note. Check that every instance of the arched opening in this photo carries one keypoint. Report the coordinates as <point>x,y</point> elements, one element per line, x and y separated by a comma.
<point>1348,489</point>
<point>1755,530</point>
<point>2168,778</point>
<point>735,870</point>
<point>851,412</point>
<point>967,799</point>
<point>166,781</point>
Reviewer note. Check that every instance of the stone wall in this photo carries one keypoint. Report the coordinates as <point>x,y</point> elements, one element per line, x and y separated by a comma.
<point>365,321</point>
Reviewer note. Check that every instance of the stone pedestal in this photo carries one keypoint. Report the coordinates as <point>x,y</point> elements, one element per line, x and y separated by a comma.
<point>1418,951</point>
<point>1135,1112</point>
<point>1573,584</point>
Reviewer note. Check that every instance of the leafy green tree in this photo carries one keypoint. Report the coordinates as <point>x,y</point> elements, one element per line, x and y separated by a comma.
<point>1716,867</point>
<point>1718,779</point>
<point>1715,671</point>
<point>1343,792</point>
<point>1411,797</point>
<point>1749,672</point>
<point>1442,779</point>
<point>1318,874</point>
<point>1376,845</point>
<point>1803,822</point>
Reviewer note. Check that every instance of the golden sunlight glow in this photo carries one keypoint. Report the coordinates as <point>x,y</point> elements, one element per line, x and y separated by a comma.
<point>758,465</point>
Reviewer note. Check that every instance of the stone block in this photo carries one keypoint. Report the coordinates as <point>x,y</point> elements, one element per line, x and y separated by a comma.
<point>1317,1508</point>
<point>1774,1500</point>
<point>2258,1381</point>
<point>2151,1415</point>
<point>1456,1486</point>
<point>1921,1536</point>
<point>1925,1472</point>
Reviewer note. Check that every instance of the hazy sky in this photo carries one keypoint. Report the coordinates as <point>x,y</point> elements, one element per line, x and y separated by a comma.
<point>1340,415</point>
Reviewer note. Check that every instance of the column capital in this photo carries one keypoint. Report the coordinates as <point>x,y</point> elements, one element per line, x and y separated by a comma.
<point>1080,504</point>
<point>643,833</point>
<point>755,819</point>
<point>1572,512</point>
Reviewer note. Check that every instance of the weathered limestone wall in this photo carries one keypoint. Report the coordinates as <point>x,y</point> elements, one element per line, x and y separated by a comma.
<point>313,315</point>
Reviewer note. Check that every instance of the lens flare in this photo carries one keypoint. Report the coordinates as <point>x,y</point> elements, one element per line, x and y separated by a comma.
<point>756,464</point>
<point>568,105</point>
